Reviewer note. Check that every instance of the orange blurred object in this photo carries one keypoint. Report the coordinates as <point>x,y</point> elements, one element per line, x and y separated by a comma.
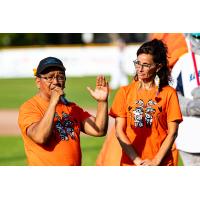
<point>175,42</point>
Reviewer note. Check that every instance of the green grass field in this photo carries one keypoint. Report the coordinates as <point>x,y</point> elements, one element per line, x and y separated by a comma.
<point>12,150</point>
<point>13,92</point>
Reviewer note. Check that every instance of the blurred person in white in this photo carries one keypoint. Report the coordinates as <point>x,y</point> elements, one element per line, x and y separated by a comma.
<point>186,74</point>
<point>119,76</point>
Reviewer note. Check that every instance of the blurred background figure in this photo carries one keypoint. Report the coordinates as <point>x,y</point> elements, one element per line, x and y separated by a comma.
<point>87,37</point>
<point>186,81</point>
<point>119,76</point>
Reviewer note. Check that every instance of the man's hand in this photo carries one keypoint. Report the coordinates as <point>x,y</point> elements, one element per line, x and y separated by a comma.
<point>101,91</point>
<point>55,95</point>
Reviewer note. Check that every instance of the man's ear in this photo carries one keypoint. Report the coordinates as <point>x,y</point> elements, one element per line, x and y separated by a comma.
<point>37,81</point>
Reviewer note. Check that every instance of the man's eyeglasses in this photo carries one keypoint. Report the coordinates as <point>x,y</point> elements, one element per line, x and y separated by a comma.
<point>137,64</point>
<point>50,79</point>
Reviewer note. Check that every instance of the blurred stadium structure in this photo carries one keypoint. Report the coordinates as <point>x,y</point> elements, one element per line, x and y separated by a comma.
<point>24,39</point>
<point>99,55</point>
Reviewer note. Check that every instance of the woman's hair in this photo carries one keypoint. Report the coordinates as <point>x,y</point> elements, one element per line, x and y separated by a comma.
<point>158,50</point>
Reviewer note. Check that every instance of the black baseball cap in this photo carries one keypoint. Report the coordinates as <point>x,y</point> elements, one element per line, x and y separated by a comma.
<point>48,63</point>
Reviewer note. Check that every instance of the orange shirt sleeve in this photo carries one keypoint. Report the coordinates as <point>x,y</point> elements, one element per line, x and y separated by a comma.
<point>28,115</point>
<point>174,111</point>
<point>118,108</point>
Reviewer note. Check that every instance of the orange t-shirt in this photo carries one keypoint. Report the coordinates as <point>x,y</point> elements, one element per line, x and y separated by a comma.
<point>147,116</point>
<point>63,146</point>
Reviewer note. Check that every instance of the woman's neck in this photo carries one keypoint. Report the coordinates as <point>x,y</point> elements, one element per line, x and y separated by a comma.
<point>147,85</point>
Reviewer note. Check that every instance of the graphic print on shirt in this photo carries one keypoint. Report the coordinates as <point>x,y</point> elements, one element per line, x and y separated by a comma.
<point>60,128</point>
<point>64,126</point>
<point>68,125</point>
<point>149,113</point>
<point>138,113</point>
<point>143,113</point>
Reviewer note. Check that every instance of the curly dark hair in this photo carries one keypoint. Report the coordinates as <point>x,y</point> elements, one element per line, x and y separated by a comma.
<point>158,50</point>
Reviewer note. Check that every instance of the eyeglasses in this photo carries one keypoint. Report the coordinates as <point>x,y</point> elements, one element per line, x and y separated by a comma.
<point>137,64</point>
<point>50,79</point>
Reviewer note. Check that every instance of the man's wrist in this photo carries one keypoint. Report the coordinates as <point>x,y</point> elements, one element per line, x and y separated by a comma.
<point>52,104</point>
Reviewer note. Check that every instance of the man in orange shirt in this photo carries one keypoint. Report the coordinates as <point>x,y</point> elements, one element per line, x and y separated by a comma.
<point>51,125</point>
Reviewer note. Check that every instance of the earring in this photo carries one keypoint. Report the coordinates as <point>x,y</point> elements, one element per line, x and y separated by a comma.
<point>157,83</point>
<point>157,80</point>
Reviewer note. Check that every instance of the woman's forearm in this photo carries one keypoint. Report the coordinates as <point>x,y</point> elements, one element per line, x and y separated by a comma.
<point>168,142</point>
<point>128,148</point>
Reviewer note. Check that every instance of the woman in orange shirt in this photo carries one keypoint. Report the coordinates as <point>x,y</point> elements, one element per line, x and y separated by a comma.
<point>147,112</point>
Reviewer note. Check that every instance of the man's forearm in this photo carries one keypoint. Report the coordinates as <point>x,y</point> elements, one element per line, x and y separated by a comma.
<point>42,130</point>
<point>101,120</point>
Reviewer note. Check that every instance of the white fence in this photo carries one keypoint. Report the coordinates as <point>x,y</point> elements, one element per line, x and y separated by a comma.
<point>79,61</point>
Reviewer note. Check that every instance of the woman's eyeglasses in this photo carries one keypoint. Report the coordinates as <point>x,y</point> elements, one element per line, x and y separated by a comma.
<point>137,64</point>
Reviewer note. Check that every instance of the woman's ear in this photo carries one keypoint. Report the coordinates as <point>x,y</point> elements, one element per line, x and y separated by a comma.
<point>37,81</point>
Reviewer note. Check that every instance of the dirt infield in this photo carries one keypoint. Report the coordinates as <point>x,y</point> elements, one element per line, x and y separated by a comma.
<point>8,122</point>
<point>9,126</point>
